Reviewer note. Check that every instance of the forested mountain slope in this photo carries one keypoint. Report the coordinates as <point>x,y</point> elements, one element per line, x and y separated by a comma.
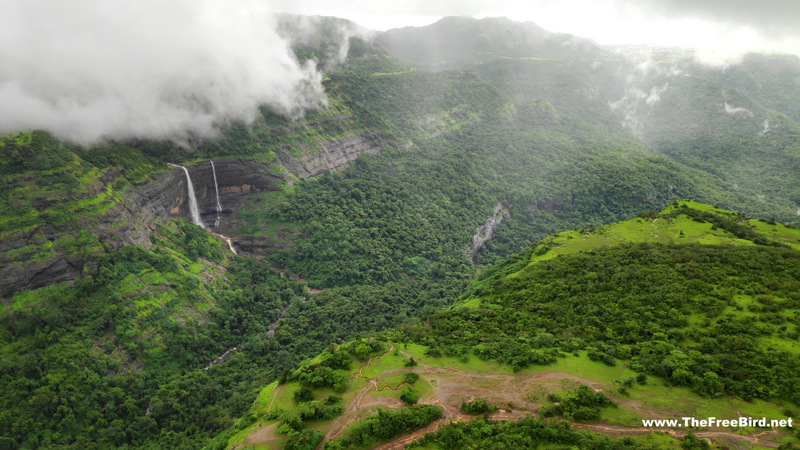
<point>684,312</point>
<point>738,122</point>
<point>362,216</point>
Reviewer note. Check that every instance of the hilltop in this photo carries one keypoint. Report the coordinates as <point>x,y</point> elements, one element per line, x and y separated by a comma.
<point>685,312</point>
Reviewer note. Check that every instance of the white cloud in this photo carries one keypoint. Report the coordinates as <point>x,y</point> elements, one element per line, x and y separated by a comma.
<point>655,94</point>
<point>93,69</point>
<point>732,110</point>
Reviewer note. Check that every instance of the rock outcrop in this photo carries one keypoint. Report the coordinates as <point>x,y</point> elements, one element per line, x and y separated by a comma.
<point>29,260</point>
<point>486,231</point>
<point>333,154</point>
<point>36,258</point>
<point>237,181</point>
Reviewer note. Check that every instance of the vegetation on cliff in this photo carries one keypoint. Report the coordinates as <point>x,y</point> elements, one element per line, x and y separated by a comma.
<point>121,345</point>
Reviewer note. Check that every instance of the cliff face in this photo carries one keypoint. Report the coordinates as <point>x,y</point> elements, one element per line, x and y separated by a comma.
<point>57,252</point>
<point>332,155</point>
<point>486,231</point>
<point>237,180</point>
<point>241,180</point>
<point>38,257</point>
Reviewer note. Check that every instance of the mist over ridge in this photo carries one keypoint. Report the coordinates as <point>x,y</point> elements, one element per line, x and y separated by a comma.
<point>90,70</point>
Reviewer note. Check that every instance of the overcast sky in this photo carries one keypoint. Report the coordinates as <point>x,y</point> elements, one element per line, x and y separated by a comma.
<point>91,70</point>
<point>724,25</point>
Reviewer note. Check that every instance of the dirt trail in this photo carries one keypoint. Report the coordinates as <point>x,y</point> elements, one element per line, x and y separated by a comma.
<point>654,233</point>
<point>517,396</point>
<point>263,436</point>
<point>359,403</point>
<point>358,375</point>
<point>401,442</point>
<point>728,437</point>
<point>274,395</point>
<point>452,386</point>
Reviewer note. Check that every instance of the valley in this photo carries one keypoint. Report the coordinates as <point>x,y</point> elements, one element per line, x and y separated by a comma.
<point>531,214</point>
<point>450,370</point>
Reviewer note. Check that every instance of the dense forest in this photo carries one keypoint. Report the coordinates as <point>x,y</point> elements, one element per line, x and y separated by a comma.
<point>718,318</point>
<point>122,328</point>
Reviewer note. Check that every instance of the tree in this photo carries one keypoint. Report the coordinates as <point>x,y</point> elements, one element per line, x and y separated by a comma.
<point>362,351</point>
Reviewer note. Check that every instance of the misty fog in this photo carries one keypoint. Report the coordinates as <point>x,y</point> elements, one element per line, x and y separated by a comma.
<point>91,69</point>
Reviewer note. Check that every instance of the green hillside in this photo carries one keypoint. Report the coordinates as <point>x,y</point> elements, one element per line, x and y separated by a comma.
<point>685,279</point>
<point>736,124</point>
<point>690,311</point>
<point>124,325</point>
<point>124,356</point>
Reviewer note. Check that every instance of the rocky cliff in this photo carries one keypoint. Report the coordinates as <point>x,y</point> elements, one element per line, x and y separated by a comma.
<point>332,154</point>
<point>486,231</point>
<point>63,250</point>
<point>237,181</point>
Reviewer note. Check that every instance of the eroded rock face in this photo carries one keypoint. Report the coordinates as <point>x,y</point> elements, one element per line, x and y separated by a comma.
<point>240,180</point>
<point>486,231</point>
<point>333,155</point>
<point>165,195</point>
<point>237,181</point>
<point>128,222</point>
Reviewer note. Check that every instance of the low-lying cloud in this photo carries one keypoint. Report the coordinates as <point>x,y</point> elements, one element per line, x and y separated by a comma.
<point>91,70</point>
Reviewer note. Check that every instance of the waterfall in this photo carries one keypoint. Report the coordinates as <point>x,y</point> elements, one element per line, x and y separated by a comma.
<point>193,204</point>
<point>192,198</point>
<point>216,188</point>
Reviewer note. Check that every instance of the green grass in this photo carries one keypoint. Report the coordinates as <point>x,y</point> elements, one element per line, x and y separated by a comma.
<point>261,157</point>
<point>241,435</point>
<point>262,402</point>
<point>657,399</point>
<point>621,416</point>
<point>392,382</point>
<point>422,387</point>
<point>657,440</point>
<point>680,401</point>
<point>283,398</point>
<point>779,232</point>
<point>23,138</point>
<point>680,229</point>
<point>473,364</point>
<point>761,408</point>
<point>582,366</point>
<point>29,299</point>
<point>390,361</point>
<point>471,303</point>
<point>277,169</point>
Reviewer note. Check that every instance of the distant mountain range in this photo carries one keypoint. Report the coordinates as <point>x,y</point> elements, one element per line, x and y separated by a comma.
<point>446,155</point>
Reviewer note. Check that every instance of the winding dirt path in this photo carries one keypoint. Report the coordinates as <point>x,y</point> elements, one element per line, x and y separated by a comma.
<point>452,386</point>
<point>517,395</point>
<point>654,233</point>
<point>358,375</point>
<point>358,404</point>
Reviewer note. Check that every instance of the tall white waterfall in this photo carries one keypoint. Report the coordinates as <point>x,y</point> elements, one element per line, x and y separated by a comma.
<point>193,209</point>
<point>216,188</point>
<point>195,212</point>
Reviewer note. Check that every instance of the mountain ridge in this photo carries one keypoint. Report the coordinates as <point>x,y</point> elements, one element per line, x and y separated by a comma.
<point>458,355</point>
<point>371,236</point>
